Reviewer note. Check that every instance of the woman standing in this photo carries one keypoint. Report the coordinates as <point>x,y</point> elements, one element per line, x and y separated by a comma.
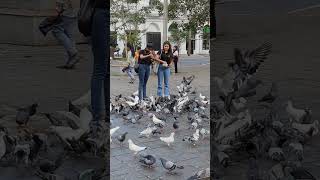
<point>100,80</point>
<point>145,60</point>
<point>175,58</point>
<point>165,58</point>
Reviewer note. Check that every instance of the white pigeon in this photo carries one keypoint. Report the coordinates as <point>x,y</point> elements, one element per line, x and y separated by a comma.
<point>180,88</point>
<point>194,125</point>
<point>202,97</point>
<point>136,101</point>
<point>135,93</point>
<point>157,121</point>
<point>110,107</point>
<point>112,131</point>
<point>196,135</point>
<point>169,139</point>
<point>2,144</point>
<point>152,101</point>
<point>204,132</point>
<point>134,147</point>
<point>294,113</point>
<point>147,132</point>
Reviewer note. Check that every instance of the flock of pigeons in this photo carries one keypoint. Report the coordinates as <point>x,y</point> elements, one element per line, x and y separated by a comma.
<point>162,116</point>
<point>258,126</point>
<point>44,141</point>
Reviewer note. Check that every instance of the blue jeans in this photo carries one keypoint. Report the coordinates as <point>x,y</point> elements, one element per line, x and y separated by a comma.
<point>144,72</point>
<point>163,75</point>
<point>63,32</point>
<point>100,78</point>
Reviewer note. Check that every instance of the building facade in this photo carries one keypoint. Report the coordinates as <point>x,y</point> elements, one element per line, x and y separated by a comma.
<point>153,32</point>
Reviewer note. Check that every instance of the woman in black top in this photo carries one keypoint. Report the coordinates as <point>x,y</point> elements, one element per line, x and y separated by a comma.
<point>165,58</point>
<point>145,60</point>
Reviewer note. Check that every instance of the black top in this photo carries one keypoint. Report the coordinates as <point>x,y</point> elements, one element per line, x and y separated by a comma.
<point>104,4</point>
<point>145,60</point>
<point>167,57</point>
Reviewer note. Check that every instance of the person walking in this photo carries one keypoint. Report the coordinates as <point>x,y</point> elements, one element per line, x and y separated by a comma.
<point>100,80</point>
<point>145,60</point>
<point>175,58</point>
<point>63,31</point>
<point>165,58</point>
<point>131,61</point>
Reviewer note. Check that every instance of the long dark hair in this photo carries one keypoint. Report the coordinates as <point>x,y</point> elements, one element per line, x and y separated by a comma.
<point>131,49</point>
<point>176,49</point>
<point>169,50</point>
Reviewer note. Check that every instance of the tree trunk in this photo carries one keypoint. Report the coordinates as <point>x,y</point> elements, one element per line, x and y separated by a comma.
<point>189,43</point>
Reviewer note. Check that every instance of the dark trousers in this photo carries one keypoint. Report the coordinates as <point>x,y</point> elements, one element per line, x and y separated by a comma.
<point>100,81</point>
<point>175,66</point>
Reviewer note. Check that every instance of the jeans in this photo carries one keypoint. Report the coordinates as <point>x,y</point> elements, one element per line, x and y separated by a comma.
<point>163,75</point>
<point>101,75</point>
<point>63,32</point>
<point>130,72</point>
<point>144,72</point>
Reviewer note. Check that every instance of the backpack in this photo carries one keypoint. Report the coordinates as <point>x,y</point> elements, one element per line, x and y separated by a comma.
<point>85,15</point>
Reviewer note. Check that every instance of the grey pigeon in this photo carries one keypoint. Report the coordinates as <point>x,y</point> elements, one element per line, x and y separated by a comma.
<point>147,160</point>
<point>122,137</point>
<point>168,165</point>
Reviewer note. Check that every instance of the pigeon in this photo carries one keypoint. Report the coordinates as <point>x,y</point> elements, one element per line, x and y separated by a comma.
<point>136,101</point>
<point>294,113</point>
<point>3,148</point>
<point>169,139</point>
<point>135,148</point>
<point>122,137</point>
<point>204,132</point>
<point>74,109</point>
<point>147,160</point>
<point>135,93</point>
<point>22,153</point>
<point>202,97</point>
<point>157,121</point>
<point>147,132</point>
<point>23,114</point>
<point>112,131</point>
<point>48,166</point>
<point>272,95</point>
<point>175,125</point>
<point>192,139</point>
<point>204,173</point>
<point>170,166</point>
<point>239,105</point>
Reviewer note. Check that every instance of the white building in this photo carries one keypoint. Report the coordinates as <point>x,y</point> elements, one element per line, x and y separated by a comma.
<point>154,31</point>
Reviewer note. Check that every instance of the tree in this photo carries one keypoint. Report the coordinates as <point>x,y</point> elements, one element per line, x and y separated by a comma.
<point>197,13</point>
<point>126,16</point>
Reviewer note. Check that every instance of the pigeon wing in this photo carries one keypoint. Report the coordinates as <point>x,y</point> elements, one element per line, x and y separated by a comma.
<point>257,56</point>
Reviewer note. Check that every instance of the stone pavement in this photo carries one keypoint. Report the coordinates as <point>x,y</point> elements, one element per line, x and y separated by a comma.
<point>124,166</point>
<point>293,63</point>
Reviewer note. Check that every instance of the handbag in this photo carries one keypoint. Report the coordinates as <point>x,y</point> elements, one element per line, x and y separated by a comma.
<point>47,24</point>
<point>85,16</point>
